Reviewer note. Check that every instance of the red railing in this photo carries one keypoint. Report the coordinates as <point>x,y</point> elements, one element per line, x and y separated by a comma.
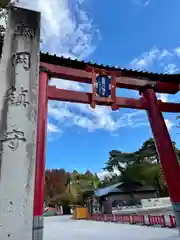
<point>109,218</point>
<point>150,220</point>
<point>157,220</point>
<point>93,217</point>
<point>100,217</point>
<point>123,218</point>
<point>140,219</point>
<point>172,220</point>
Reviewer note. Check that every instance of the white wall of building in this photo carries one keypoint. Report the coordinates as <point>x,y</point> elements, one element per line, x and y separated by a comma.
<point>156,202</point>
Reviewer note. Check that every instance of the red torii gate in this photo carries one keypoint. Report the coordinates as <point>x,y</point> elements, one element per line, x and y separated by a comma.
<point>146,83</point>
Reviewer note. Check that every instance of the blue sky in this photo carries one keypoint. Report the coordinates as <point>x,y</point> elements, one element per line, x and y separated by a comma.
<point>137,34</point>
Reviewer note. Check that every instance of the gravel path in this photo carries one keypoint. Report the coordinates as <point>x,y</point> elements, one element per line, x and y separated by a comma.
<point>64,228</point>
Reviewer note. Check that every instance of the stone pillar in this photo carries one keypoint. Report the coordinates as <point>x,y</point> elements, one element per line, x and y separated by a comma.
<point>19,74</point>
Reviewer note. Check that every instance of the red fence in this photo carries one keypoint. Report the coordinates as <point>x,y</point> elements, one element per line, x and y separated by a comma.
<point>157,220</point>
<point>108,218</point>
<point>122,218</point>
<point>172,220</point>
<point>140,219</point>
<point>150,220</point>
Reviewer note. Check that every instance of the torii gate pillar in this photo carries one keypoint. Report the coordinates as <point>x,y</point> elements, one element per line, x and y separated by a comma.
<point>165,150</point>
<point>19,71</point>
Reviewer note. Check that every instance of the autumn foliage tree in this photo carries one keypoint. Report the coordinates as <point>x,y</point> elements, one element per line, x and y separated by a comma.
<point>63,187</point>
<point>56,181</point>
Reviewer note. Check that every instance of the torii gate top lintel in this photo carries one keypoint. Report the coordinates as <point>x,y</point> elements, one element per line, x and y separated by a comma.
<point>80,71</point>
<point>119,72</point>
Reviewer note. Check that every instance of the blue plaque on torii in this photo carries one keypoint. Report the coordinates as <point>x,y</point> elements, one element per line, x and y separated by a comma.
<point>103,86</point>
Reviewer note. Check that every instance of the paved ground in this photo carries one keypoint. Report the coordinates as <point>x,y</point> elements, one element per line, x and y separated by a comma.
<point>64,228</point>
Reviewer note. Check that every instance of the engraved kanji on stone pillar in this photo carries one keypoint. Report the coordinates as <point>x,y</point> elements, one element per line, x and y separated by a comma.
<point>19,71</point>
<point>16,98</point>
<point>23,29</point>
<point>22,58</point>
<point>13,138</point>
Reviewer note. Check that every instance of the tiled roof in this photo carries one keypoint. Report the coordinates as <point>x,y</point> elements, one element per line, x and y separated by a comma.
<point>122,187</point>
<point>68,62</point>
<point>110,189</point>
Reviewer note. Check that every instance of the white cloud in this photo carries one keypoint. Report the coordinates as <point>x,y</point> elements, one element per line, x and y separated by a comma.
<point>164,53</point>
<point>162,58</point>
<point>141,3</point>
<point>54,132</point>
<point>145,59</point>
<point>102,174</point>
<point>169,124</point>
<point>156,56</point>
<point>65,84</point>
<point>83,116</point>
<point>65,32</point>
<point>177,51</point>
<point>162,96</point>
<point>171,68</point>
<point>147,2</point>
<point>52,128</point>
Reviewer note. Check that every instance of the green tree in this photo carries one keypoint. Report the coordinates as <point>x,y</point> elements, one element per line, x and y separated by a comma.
<point>142,165</point>
<point>4,5</point>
